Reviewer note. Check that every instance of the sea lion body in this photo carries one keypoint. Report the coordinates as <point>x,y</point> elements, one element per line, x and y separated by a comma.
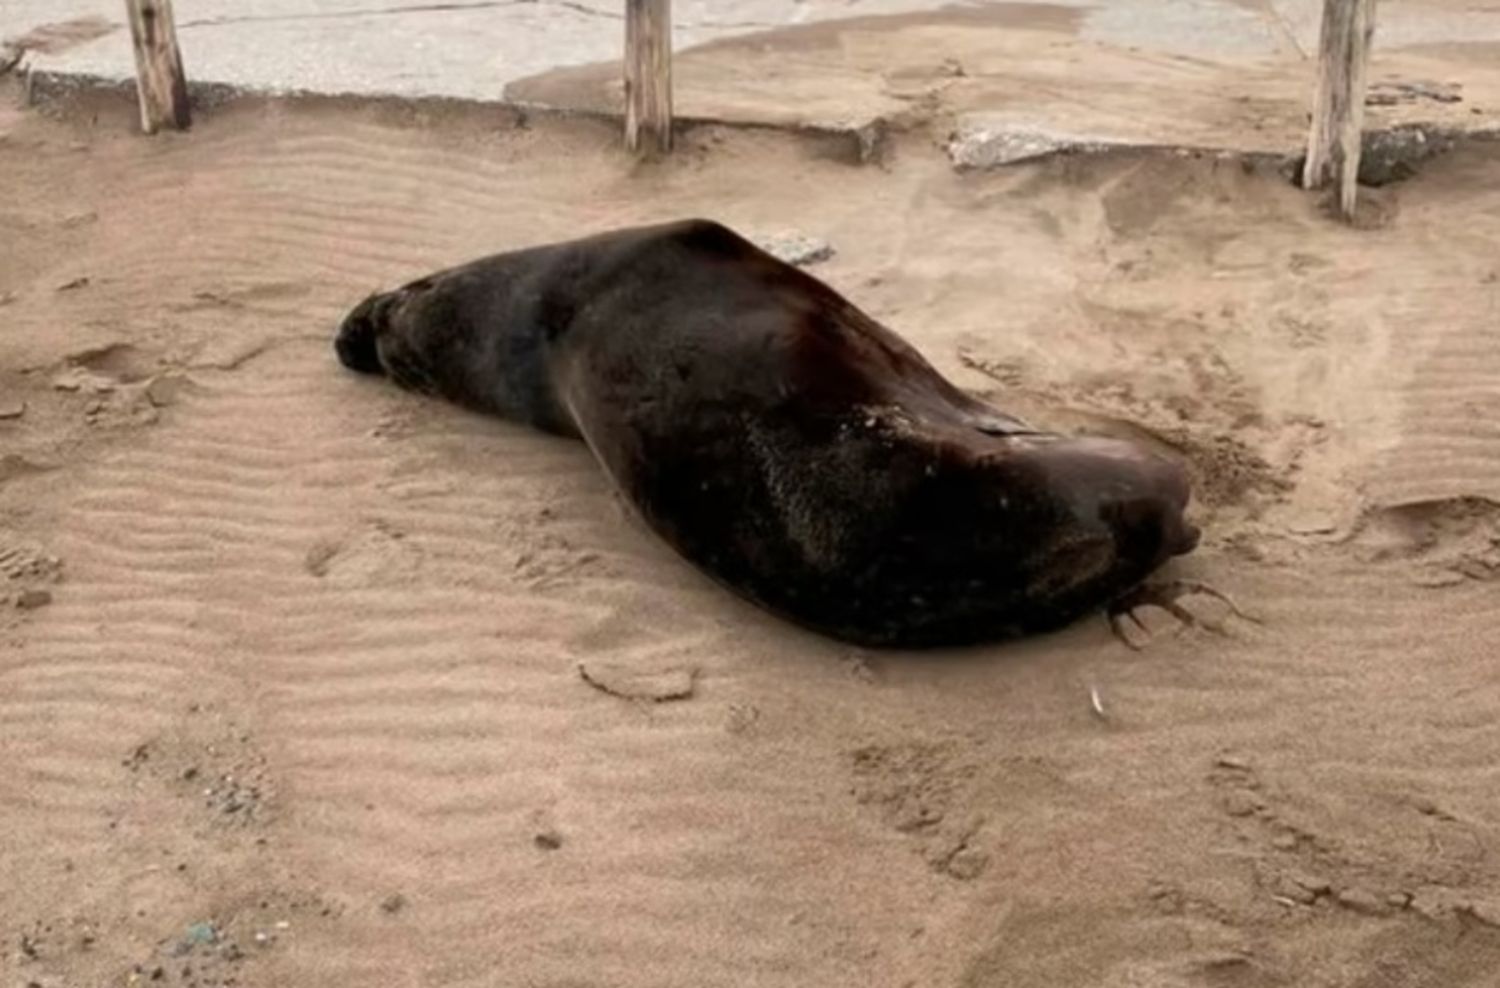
<point>780,439</point>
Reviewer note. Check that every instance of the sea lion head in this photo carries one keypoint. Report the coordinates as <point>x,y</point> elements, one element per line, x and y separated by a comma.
<point>1133,497</point>
<point>358,333</point>
<point>1152,527</point>
<point>1142,498</point>
<point>463,335</point>
<point>407,335</point>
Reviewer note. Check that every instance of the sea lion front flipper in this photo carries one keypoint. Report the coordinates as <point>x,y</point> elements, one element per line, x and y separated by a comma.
<point>1167,595</point>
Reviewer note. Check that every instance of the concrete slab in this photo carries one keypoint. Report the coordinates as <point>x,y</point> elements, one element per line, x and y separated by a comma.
<point>471,49</point>
<point>1033,76</point>
<point>465,49</point>
<point>1012,82</point>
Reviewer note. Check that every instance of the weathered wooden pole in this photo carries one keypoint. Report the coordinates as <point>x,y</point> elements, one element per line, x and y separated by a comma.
<point>1339,102</point>
<point>648,76</point>
<point>159,82</point>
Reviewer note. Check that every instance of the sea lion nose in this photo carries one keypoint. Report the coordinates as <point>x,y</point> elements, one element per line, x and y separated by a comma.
<point>1189,534</point>
<point>1140,497</point>
<point>1149,529</point>
<point>1181,535</point>
<point>355,342</point>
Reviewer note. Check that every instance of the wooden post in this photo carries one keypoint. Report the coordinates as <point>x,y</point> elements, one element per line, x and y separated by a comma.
<point>648,76</point>
<point>1339,103</point>
<point>160,84</point>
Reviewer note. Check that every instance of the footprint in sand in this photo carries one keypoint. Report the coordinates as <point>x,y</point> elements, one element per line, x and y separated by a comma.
<point>121,384</point>
<point>1441,542</point>
<point>624,655</point>
<point>925,790</point>
<point>374,554</point>
<point>25,572</point>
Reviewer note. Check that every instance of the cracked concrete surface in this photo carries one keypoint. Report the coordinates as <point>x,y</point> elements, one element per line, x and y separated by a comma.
<point>473,49</point>
<point>466,50</point>
<point>1230,74</point>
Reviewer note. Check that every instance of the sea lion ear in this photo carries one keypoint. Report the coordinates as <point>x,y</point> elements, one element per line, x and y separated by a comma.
<point>355,342</point>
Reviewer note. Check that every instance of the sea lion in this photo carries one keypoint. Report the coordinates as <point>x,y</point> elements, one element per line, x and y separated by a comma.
<point>780,439</point>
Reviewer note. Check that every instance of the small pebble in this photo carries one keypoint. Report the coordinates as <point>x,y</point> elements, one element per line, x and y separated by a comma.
<point>1313,883</point>
<point>1433,905</point>
<point>795,248</point>
<point>201,933</point>
<point>548,840</point>
<point>1241,803</point>
<point>30,600</point>
<point>393,903</point>
<point>165,389</point>
<point>1426,806</point>
<point>1485,911</point>
<point>1297,888</point>
<point>1361,901</point>
<point>12,408</point>
<point>967,864</point>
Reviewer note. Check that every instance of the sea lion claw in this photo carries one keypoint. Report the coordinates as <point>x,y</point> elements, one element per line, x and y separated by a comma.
<point>1167,595</point>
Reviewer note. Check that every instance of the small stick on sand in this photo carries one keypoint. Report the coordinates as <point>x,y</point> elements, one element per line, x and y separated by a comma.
<point>160,83</point>
<point>1333,144</point>
<point>1096,703</point>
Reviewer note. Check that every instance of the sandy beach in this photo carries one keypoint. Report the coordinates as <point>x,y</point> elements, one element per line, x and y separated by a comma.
<point>290,685</point>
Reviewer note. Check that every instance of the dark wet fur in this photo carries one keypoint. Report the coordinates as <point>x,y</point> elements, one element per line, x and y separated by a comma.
<point>780,439</point>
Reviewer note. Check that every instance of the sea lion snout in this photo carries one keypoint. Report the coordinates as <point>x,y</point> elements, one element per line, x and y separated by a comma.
<point>1150,526</point>
<point>1139,495</point>
<point>1188,540</point>
<point>355,342</point>
<point>1182,535</point>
